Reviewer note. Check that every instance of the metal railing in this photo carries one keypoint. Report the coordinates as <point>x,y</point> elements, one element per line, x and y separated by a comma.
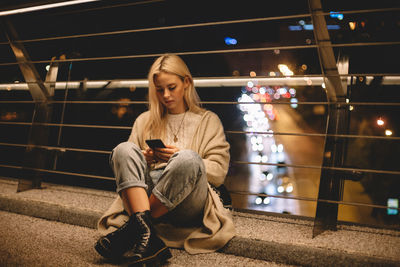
<point>388,79</point>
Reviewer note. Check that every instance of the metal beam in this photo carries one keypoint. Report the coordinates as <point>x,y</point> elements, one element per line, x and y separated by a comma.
<point>37,89</point>
<point>331,181</point>
<point>42,94</point>
<point>333,82</point>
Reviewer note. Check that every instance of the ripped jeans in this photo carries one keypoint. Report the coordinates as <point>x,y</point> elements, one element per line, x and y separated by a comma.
<point>181,186</point>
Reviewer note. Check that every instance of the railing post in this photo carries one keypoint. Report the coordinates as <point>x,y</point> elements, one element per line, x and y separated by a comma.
<point>34,158</point>
<point>331,183</point>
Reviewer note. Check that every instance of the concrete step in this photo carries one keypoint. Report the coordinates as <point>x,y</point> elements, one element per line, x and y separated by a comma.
<point>272,239</point>
<point>30,241</point>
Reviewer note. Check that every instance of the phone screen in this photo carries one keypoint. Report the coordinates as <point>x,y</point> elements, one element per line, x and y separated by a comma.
<point>155,143</point>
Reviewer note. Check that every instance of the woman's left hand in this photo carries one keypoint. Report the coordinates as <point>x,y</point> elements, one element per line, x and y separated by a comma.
<point>164,154</point>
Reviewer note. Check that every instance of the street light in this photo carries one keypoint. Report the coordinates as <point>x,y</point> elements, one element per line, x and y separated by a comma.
<point>285,70</point>
<point>388,132</point>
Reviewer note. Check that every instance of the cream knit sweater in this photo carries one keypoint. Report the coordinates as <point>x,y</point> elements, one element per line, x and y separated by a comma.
<point>217,229</point>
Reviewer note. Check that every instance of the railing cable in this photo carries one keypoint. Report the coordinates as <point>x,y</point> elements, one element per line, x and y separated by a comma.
<point>184,26</point>
<point>204,52</point>
<point>118,127</point>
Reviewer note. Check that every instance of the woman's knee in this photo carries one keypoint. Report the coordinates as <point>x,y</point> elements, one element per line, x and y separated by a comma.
<point>189,162</point>
<point>125,150</point>
<point>187,167</point>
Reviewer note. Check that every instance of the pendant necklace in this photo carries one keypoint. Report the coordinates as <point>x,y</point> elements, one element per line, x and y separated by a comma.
<point>179,128</point>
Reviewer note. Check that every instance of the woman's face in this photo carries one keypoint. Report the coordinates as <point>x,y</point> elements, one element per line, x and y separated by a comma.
<point>170,90</point>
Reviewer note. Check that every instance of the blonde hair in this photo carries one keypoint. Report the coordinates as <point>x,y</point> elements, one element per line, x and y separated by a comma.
<point>172,64</point>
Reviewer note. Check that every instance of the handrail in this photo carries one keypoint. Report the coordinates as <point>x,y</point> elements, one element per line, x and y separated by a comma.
<point>130,102</point>
<point>232,192</point>
<point>118,127</point>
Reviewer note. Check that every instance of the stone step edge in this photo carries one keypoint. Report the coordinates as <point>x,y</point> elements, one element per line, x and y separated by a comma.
<point>239,246</point>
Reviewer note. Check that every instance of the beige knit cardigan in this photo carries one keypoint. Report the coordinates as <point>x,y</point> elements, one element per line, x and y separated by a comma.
<point>217,228</point>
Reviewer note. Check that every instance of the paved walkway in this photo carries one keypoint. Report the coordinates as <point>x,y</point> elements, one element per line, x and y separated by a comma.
<point>29,241</point>
<point>266,239</point>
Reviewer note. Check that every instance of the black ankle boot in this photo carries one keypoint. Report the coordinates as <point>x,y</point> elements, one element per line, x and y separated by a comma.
<point>149,248</point>
<point>115,244</point>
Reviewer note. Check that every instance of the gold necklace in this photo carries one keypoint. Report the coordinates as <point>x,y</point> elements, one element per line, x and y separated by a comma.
<point>179,128</point>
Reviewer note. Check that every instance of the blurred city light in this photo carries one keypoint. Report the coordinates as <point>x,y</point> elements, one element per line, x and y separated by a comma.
<point>230,41</point>
<point>333,27</point>
<point>280,148</point>
<point>295,28</point>
<point>380,122</point>
<point>264,159</point>
<point>294,101</point>
<point>388,132</point>
<point>285,70</point>
<point>352,25</point>
<point>289,188</point>
<point>310,27</point>
<point>393,204</point>
<point>337,15</point>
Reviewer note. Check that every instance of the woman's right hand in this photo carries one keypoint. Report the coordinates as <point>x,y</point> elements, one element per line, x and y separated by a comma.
<point>149,155</point>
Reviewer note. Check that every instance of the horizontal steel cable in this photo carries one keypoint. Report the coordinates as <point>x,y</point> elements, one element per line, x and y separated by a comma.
<point>315,135</point>
<point>104,7</point>
<point>205,52</point>
<point>68,125</point>
<point>233,162</point>
<point>317,167</point>
<point>201,25</point>
<point>207,102</point>
<point>195,79</point>
<point>116,127</point>
<point>161,28</point>
<point>313,199</point>
<point>58,172</point>
<point>54,148</point>
<point>232,192</point>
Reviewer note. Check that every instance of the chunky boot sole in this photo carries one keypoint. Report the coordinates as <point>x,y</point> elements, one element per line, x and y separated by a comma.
<point>157,259</point>
<point>105,251</point>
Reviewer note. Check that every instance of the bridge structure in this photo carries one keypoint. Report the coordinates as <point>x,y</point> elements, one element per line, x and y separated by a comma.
<point>308,96</point>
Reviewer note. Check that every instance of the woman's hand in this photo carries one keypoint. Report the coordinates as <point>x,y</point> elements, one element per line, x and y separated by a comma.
<point>164,154</point>
<point>149,155</point>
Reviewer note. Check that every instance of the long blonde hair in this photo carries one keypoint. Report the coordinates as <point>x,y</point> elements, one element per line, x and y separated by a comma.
<point>172,64</point>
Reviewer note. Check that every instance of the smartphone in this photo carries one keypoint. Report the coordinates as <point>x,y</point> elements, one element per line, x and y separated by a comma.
<point>155,143</point>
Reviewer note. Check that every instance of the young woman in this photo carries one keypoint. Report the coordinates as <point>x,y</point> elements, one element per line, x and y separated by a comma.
<point>164,194</point>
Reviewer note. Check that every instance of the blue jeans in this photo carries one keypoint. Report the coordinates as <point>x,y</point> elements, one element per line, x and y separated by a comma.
<point>181,186</point>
